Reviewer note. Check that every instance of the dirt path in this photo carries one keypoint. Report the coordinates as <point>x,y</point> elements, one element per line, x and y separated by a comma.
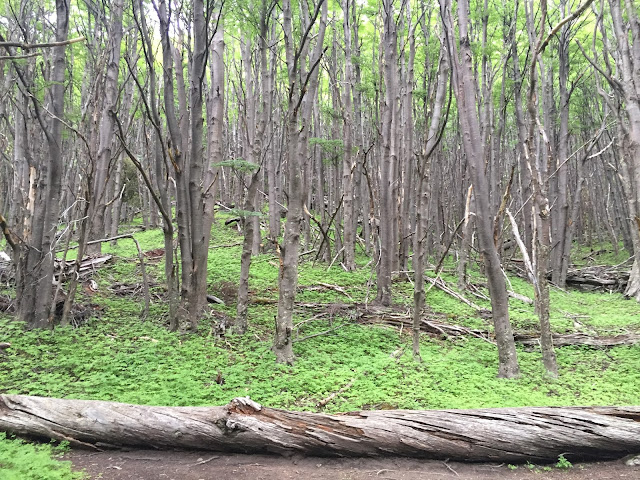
<point>155,465</point>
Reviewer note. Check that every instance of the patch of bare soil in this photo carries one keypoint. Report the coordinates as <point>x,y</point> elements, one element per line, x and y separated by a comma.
<point>180,465</point>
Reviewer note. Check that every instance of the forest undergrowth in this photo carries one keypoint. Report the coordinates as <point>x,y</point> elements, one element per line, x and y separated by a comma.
<point>115,355</point>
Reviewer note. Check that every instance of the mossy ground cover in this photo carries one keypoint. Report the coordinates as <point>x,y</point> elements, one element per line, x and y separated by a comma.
<point>117,356</point>
<point>24,461</point>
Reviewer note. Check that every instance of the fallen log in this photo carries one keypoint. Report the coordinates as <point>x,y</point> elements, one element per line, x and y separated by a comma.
<point>572,339</point>
<point>390,317</point>
<point>501,434</point>
<point>598,277</point>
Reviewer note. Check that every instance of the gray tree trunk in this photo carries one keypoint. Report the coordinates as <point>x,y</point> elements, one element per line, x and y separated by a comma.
<point>348,162</point>
<point>423,191</point>
<point>388,163</point>
<point>629,74</point>
<point>35,259</point>
<point>256,123</point>
<point>464,88</point>
<point>104,162</point>
<point>296,158</point>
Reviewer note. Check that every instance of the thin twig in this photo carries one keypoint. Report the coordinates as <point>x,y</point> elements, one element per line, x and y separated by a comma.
<point>202,462</point>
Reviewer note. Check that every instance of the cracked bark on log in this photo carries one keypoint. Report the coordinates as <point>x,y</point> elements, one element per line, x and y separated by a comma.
<point>501,434</point>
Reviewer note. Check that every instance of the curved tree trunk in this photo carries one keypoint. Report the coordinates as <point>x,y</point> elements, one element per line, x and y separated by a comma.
<point>464,89</point>
<point>500,434</point>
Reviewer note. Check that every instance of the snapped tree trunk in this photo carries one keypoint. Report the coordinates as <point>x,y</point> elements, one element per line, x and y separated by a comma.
<point>536,434</point>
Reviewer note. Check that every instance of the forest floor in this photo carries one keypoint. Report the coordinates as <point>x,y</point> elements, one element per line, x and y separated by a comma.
<point>179,465</point>
<point>350,356</point>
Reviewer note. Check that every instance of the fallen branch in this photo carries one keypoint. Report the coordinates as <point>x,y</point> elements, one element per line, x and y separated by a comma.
<point>335,288</point>
<point>214,299</point>
<point>441,284</point>
<point>325,401</point>
<point>522,298</point>
<point>582,339</point>
<point>536,434</point>
<point>372,314</point>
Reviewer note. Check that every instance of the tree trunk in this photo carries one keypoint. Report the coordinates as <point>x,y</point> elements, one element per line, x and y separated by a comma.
<point>388,249</point>
<point>423,194</point>
<point>464,87</point>
<point>296,158</point>
<point>560,223</point>
<point>629,68</point>
<point>540,181</point>
<point>35,259</point>
<point>348,164</point>
<point>535,434</point>
<point>101,175</point>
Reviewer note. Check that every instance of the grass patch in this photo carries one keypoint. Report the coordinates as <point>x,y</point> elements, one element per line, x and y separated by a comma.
<point>26,461</point>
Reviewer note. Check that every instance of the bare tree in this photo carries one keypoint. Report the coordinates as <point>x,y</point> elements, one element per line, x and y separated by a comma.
<point>627,87</point>
<point>301,86</point>
<point>104,160</point>
<point>34,256</point>
<point>194,221</point>
<point>256,125</point>
<point>464,88</point>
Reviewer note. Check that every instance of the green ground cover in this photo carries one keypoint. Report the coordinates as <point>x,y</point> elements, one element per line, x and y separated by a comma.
<point>25,461</point>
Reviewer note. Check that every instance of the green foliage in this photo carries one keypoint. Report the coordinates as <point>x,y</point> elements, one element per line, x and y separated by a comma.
<point>24,461</point>
<point>563,463</point>
<point>333,149</point>
<point>239,165</point>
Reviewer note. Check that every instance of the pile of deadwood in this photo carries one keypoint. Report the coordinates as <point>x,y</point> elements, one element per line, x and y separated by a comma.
<point>436,326</point>
<point>598,277</point>
<point>61,269</point>
<point>607,278</point>
<point>88,265</point>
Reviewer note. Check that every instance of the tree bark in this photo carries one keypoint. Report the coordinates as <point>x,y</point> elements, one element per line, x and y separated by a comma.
<point>96,213</point>
<point>627,88</point>
<point>296,157</point>
<point>423,194</point>
<point>389,157</point>
<point>536,434</point>
<point>35,258</point>
<point>348,163</point>
<point>464,87</point>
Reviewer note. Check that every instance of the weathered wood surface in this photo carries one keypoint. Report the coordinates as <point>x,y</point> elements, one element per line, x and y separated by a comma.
<point>503,434</point>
